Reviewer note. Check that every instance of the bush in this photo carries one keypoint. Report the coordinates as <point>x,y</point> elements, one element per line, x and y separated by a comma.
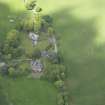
<point>8,57</point>
<point>51,73</point>
<point>1,56</point>
<point>36,54</point>
<point>50,31</point>
<point>30,22</point>
<point>53,57</point>
<point>12,38</point>
<point>46,22</point>
<point>18,52</point>
<point>31,4</point>
<point>54,72</point>
<point>11,71</point>
<point>27,22</point>
<point>60,100</point>
<point>4,69</point>
<point>11,47</point>
<point>59,84</point>
<point>38,9</point>
<point>48,19</point>
<point>37,23</point>
<point>23,69</point>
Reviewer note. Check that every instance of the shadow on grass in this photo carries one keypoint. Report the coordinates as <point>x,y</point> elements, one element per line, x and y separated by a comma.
<point>84,60</point>
<point>6,15</point>
<point>5,25</point>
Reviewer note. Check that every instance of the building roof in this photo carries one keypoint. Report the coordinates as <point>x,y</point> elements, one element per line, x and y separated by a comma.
<point>36,65</point>
<point>2,64</point>
<point>33,36</point>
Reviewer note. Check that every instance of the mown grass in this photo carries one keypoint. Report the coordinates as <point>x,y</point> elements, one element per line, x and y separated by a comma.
<point>24,91</point>
<point>81,26</point>
<point>9,9</point>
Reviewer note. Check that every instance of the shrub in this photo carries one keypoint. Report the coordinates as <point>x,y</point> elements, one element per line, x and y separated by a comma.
<point>38,9</point>
<point>23,69</point>
<point>60,100</point>
<point>53,57</point>
<point>31,4</point>
<point>11,71</point>
<point>27,22</point>
<point>46,22</point>
<point>50,31</point>
<point>53,72</point>
<point>36,54</point>
<point>18,52</point>
<point>48,19</point>
<point>30,22</point>
<point>12,38</point>
<point>4,69</point>
<point>59,84</point>
<point>8,57</point>
<point>37,22</point>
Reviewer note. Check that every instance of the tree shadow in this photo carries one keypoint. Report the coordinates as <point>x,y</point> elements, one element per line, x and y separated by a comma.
<point>6,15</point>
<point>84,60</point>
<point>5,25</point>
<point>76,35</point>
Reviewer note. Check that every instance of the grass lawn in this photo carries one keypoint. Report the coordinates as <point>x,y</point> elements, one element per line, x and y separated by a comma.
<point>29,92</point>
<point>81,24</point>
<point>9,9</point>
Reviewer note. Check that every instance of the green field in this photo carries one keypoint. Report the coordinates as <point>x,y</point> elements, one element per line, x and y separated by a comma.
<point>80,23</point>
<point>29,92</point>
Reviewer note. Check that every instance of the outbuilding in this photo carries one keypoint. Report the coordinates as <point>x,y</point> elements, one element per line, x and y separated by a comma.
<point>34,37</point>
<point>36,66</point>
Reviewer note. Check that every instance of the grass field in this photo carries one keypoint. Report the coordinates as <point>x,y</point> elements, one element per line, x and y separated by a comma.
<point>30,92</point>
<point>81,26</point>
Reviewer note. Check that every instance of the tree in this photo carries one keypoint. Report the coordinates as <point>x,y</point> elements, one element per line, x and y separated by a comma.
<point>46,23</point>
<point>30,5</point>
<point>11,47</point>
<point>36,54</point>
<point>8,56</point>
<point>37,22</point>
<point>51,72</point>
<point>27,22</point>
<point>48,20</point>
<point>38,19</point>
<point>11,71</point>
<point>50,31</point>
<point>54,72</point>
<point>23,68</point>
<point>31,20</point>
<point>60,100</point>
<point>59,84</point>
<point>12,38</point>
<point>4,69</point>
<point>62,71</point>
<point>18,52</point>
<point>1,51</point>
